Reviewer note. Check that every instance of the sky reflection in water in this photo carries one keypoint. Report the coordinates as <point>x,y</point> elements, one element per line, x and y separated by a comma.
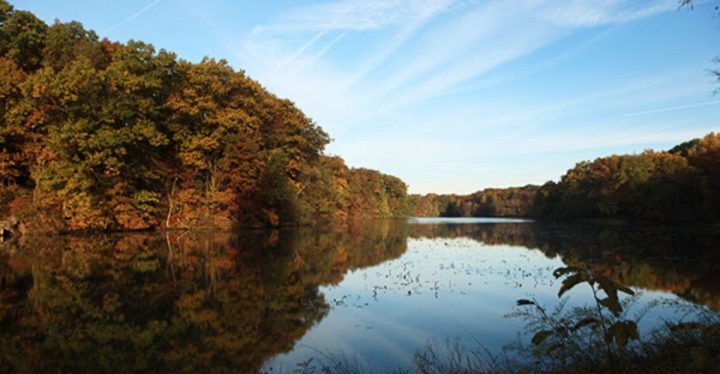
<point>451,284</point>
<point>376,292</point>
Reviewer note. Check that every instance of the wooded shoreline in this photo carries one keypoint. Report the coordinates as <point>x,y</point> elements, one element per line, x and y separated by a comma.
<point>99,136</point>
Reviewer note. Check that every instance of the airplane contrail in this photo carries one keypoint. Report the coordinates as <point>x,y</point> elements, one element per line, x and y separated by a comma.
<point>670,109</point>
<point>132,17</point>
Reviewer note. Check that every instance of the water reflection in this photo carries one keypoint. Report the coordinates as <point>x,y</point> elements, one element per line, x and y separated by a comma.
<point>186,301</point>
<point>684,261</point>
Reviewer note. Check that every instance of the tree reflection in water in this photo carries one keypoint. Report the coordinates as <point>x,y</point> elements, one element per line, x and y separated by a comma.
<point>189,301</point>
<point>175,302</point>
<point>684,261</point>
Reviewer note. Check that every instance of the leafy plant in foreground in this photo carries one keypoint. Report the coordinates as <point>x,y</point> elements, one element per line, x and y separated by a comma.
<point>603,325</point>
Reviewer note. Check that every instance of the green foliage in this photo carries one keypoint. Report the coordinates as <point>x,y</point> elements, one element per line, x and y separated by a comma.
<point>22,37</point>
<point>121,136</point>
<point>277,193</point>
<point>602,323</point>
<point>682,184</point>
<point>599,336</point>
<point>491,202</point>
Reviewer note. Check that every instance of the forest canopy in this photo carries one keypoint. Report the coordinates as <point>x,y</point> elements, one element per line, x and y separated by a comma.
<point>100,135</point>
<point>681,184</point>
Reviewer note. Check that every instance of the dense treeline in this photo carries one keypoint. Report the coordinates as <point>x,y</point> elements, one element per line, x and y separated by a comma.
<point>682,184</point>
<point>96,134</point>
<point>491,202</point>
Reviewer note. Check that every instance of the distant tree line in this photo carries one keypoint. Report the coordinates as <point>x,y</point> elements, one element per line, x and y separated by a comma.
<point>101,135</point>
<point>682,184</point>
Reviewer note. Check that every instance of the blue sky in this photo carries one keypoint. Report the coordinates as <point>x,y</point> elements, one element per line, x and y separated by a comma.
<point>453,95</point>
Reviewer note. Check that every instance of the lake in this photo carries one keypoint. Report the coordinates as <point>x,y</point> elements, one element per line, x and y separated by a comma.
<point>371,292</point>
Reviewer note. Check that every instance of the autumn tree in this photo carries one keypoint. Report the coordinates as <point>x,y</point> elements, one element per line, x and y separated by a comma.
<point>100,135</point>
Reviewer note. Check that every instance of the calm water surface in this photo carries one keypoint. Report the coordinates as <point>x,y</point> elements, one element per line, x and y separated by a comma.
<point>374,292</point>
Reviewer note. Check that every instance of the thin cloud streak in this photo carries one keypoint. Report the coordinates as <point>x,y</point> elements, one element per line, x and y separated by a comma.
<point>132,17</point>
<point>437,66</point>
<point>410,55</point>
<point>294,56</point>
<point>582,13</point>
<point>670,109</point>
<point>478,92</point>
<point>354,15</point>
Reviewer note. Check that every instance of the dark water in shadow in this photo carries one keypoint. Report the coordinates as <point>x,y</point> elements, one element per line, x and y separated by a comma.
<point>375,291</point>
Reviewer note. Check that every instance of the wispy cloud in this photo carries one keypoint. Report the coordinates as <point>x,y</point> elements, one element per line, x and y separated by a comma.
<point>368,70</point>
<point>582,13</point>
<point>357,15</point>
<point>467,40</point>
<point>290,59</point>
<point>670,109</point>
<point>132,17</point>
<point>455,95</point>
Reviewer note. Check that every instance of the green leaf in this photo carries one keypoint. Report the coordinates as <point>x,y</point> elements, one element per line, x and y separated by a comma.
<point>541,336</point>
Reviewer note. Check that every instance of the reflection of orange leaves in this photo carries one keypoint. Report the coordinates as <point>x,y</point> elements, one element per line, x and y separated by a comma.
<point>203,316</point>
<point>188,358</point>
<point>273,218</point>
<point>273,239</point>
<point>134,243</point>
<point>111,302</point>
<point>225,312</point>
<point>341,255</point>
<point>191,301</point>
<point>192,306</point>
<point>222,263</point>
